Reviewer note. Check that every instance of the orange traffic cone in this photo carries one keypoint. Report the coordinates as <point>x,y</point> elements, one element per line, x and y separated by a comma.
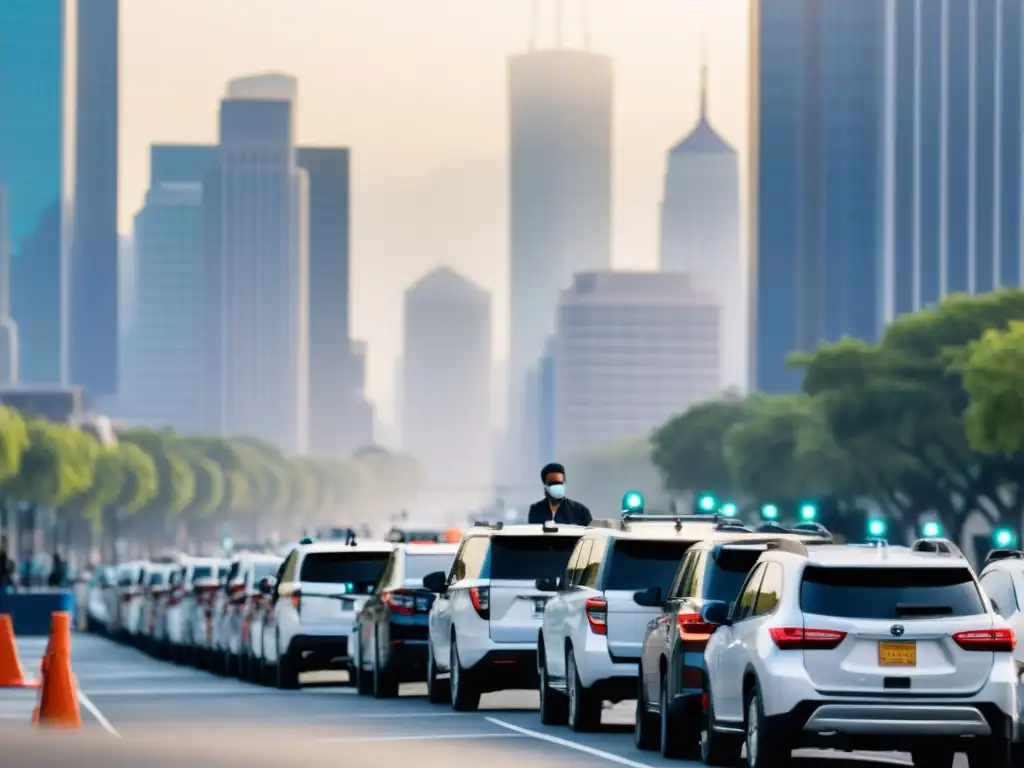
<point>58,704</point>
<point>11,674</point>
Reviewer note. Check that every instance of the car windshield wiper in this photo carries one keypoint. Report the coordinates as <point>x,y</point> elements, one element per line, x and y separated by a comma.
<point>922,609</point>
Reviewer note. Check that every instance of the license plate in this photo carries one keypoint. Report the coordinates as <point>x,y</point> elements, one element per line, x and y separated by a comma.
<point>539,603</point>
<point>902,654</point>
<point>421,603</point>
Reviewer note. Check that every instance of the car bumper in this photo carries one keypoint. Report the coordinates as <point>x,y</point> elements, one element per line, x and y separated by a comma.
<point>319,652</point>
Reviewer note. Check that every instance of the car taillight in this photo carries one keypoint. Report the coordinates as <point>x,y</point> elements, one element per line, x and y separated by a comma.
<point>400,602</point>
<point>236,591</point>
<point>597,615</point>
<point>693,628</point>
<point>481,599</point>
<point>803,639</point>
<point>175,597</point>
<point>297,599</point>
<point>997,640</point>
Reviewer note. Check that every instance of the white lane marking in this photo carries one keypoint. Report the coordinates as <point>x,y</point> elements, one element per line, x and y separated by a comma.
<point>86,702</point>
<point>209,691</point>
<point>384,716</point>
<point>432,737</point>
<point>598,753</point>
<point>184,675</point>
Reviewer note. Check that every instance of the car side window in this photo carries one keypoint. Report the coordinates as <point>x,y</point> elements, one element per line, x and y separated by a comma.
<point>470,560</point>
<point>573,565</point>
<point>588,576</point>
<point>768,592</point>
<point>999,587</point>
<point>576,573</point>
<point>289,567</point>
<point>748,595</point>
<point>388,575</point>
<point>700,563</point>
<point>684,576</point>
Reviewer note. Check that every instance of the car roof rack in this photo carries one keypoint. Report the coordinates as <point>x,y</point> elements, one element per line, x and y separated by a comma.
<point>485,524</point>
<point>936,547</point>
<point>802,529</point>
<point>788,545</point>
<point>1004,554</point>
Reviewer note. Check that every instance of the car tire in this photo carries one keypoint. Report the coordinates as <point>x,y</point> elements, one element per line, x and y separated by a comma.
<point>465,694</point>
<point>287,675</point>
<point>716,748</point>
<point>554,705</point>
<point>672,740</point>
<point>385,684</point>
<point>995,753</point>
<point>934,757</point>
<point>584,706</point>
<point>645,725</point>
<point>438,691</point>
<point>766,747</point>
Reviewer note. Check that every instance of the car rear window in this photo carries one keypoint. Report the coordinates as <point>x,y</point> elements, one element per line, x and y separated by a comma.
<point>358,571</point>
<point>156,579</point>
<point>644,564</point>
<point>201,572</point>
<point>525,558</point>
<point>890,593</point>
<point>418,566</point>
<point>263,570</point>
<point>727,572</point>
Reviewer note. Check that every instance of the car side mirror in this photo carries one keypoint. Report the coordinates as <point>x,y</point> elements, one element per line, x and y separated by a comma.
<point>436,582</point>
<point>716,612</point>
<point>547,584</point>
<point>648,598</point>
<point>266,586</point>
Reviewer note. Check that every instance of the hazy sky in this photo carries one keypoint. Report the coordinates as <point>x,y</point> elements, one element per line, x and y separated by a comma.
<point>417,89</point>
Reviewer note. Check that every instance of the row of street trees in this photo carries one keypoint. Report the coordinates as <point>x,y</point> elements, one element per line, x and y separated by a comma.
<point>148,484</point>
<point>927,422</point>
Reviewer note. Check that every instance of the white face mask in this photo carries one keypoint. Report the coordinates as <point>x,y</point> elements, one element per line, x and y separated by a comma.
<point>556,491</point>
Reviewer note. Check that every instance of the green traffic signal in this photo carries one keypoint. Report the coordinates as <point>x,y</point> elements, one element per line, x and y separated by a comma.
<point>770,512</point>
<point>729,510</point>
<point>808,512</point>
<point>931,530</point>
<point>1004,537</point>
<point>876,527</point>
<point>633,501</point>
<point>706,503</point>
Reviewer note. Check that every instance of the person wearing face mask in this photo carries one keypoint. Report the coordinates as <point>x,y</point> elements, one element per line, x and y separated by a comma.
<point>555,506</point>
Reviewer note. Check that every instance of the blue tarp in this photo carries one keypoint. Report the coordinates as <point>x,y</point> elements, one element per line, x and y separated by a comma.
<point>30,611</point>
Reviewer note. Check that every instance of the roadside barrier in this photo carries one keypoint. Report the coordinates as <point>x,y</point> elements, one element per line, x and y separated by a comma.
<point>11,673</point>
<point>58,697</point>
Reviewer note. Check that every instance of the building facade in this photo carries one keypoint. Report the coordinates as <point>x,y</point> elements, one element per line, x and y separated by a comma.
<point>8,330</point>
<point>560,175</point>
<point>164,381</point>
<point>37,166</point>
<point>446,392</point>
<point>700,230</point>
<point>632,349</point>
<point>257,262</point>
<point>93,340</point>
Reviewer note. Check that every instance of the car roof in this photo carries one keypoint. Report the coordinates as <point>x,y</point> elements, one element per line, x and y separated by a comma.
<point>212,561</point>
<point>526,530</point>
<point>429,548</point>
<point>857,556</point>
<point>341,546</point>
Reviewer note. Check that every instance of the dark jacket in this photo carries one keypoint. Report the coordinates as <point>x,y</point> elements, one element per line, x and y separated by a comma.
<point>569,513</point>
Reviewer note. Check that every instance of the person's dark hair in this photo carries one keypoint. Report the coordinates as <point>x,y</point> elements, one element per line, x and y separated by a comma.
<point>550,469</point>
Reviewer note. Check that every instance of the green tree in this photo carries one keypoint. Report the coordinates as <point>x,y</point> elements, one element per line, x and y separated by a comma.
<point>176,483</point>
<point>13,442</point>
<point>689,452</point>
<point>140,480</point>
<point>992,368</point>
<point>56,465</point>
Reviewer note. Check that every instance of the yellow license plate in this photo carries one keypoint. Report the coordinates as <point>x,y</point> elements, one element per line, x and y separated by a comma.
<point>903,654</point>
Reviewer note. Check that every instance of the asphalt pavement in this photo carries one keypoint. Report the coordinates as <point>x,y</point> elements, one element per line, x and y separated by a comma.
<point>136,708</point>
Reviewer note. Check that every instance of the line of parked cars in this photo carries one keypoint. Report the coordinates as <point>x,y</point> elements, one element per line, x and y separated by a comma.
<point>725,636</point>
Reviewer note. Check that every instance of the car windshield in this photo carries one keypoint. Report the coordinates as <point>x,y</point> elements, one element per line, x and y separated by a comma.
<point>201,572</point>
<point>358,572</point>
<point>890,593</point>
<point>525,558</point>
<point>644,564</point>
<point>156,578</point>
<point>417,566</point>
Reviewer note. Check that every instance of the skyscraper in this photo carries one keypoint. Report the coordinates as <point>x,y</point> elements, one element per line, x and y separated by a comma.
<point>700,230</point>
<point>816,163</point>
<point>560,159</point>
<point>93,270</point>
<point>446,392</point>
<point>37,165</point>
<point>953,150</point>
<point>8,331</point>
<point>164,376</point>
<point>256,214</point>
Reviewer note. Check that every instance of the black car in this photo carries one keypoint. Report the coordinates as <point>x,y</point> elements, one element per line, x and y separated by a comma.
<point>392,626</point>
<point>670,699</point>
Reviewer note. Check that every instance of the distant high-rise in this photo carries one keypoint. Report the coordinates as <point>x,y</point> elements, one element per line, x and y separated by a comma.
<point>189,163</point>
<point>37,167</point>
<point>8,331</point>
<point>632,349</point>
<point>700,230</point>
<point>256,318</point>
<point>93,271</point>
<point>816,164</point>
<point>164,372</point>
<point>560,175</point>
<point>446,392</point>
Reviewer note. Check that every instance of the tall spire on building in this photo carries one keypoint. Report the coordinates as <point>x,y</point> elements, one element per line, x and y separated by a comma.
<point>703,80</point>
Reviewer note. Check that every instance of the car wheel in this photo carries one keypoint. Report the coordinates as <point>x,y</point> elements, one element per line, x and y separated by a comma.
<point>287,675</point>
<point>438,691</point>
<point>584,706</point>
<point>465,696</point>
<point>671,742</point>
<point>385,685</point>
<point>554,705</point>
<point>766,747</point>
<point>645,725</point>
<point>717,748</point>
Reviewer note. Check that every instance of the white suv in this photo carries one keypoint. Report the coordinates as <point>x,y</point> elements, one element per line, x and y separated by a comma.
<point>590,642</point>
<point>483,625</point>
<point>319,590</point>
<point>868,648</point>
<point>1002,579</point>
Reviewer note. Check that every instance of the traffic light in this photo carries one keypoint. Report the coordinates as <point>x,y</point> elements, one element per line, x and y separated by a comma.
<point>706,503</point>
<point>808,512</point>
<point>1004,537</point>
<point>931,530</point>
<point>729,509</point>
<point>769,512</point>
<point>876,527</point>
<point>633,501</point>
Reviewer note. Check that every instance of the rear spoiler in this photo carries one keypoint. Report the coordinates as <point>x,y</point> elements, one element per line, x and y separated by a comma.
<point>937,547</point>
<point>1004,554</point>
